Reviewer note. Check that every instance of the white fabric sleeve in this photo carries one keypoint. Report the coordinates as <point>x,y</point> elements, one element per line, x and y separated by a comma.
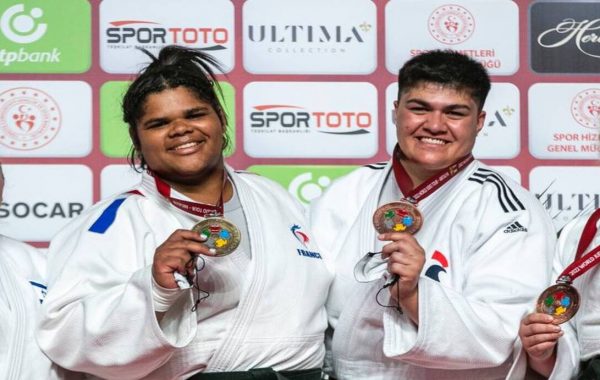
<point>99,314</point>
<point>476,326</point>
<point>164,298</point>
<point>567,355</point>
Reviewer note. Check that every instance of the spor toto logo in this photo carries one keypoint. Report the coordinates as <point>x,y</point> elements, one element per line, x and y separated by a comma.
<point>451,24</point>
<point>29,118</point>
<point>150,32</point>
<point>289,118</point>
<point>585,108</point>
<point>22,27</point>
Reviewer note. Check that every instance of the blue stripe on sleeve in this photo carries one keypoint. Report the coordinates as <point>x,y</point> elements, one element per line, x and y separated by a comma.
<point>41,286</point>
<point>107,218</point>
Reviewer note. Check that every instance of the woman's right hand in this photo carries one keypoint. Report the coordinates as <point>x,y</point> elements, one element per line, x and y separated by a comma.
<point>539,334</point>
<point>175,255</point>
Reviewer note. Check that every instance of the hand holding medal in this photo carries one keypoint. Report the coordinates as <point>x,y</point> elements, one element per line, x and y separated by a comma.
<point>219,235</point>
<point>404,216</point>
<point>561,300</point>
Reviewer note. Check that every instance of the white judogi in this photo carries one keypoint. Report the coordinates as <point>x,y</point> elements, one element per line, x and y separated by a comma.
<point>22,290</point>
<point>99,314</point>
<point>581,340</point>
<point>488,245</point>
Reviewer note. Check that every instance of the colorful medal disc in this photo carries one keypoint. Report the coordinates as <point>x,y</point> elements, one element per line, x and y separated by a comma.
<point>397,217</point>
<point>560,301</point>
<point>222,236</point>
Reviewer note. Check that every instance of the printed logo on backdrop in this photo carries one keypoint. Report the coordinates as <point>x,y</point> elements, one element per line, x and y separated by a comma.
<point>564,120</point>
<point>29,118</point>
<point>500,117</point>
<point>564,37</point>
<point>45,118</point>
<point>500,137</point>
<point>305,183</point>
<point>307,34</point>
<point>585,108</point>
<point>34,36</point>
<point>21,26</point>
<point>125,27</point>
<point>451,24</point>
<point>28,214</point>
<point>286,119</point>
<point>40,209</point>
<point>123,34</point>
<point>280,118</point>
<point>310,37</point>
<point>492,38</point>
<point>566,191</point>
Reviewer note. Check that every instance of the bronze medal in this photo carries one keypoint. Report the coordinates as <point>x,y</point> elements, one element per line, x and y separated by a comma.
<point>560,301</point>
<point>221,235</point>
<point>400,216</point>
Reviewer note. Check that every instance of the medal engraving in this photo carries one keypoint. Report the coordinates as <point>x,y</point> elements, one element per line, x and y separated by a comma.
<point>560,301</point>
<point>222,236</point>
<point>397,217</point>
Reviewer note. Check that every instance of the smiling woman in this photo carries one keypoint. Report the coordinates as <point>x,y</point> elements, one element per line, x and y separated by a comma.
<point>181,137</point>
<point>196,270</point>
<point>436,126</point>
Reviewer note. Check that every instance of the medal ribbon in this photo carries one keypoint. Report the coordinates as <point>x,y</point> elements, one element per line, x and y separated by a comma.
<point>198,209</point>
<point>582,264</point>
<point>432,184</point>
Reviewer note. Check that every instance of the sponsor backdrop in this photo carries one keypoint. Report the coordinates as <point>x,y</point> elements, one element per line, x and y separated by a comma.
<point>308,91</point>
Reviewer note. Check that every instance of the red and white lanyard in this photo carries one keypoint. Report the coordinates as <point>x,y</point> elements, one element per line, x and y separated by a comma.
<point>198,209</point>
<point>430,185</point>
<point>582,264</point>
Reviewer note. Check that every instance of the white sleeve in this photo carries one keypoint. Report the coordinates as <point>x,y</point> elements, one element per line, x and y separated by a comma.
<point>476,326</point>
<point>99,316</point>
<point>567,354</point>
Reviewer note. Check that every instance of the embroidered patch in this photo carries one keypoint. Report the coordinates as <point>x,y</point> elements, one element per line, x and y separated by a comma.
<point>433,272</point>
<point>304,240</point>
<point>299,235</point>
